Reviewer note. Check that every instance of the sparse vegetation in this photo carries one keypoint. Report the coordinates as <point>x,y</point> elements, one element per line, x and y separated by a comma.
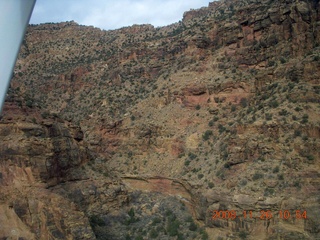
<point>244,102</point>
<point>200,175</point>
<point>268,116</point>
<point>257,176</point>
<point>192,156</point>
<point>274,104</point>
<point>207,135</point>
<point>187,163</point>
<point>243,235</point>
<point>221,128</point>
<point>275,169</point>
<point>297,133</point>
<point>200,107</point>
<point>305,119</point>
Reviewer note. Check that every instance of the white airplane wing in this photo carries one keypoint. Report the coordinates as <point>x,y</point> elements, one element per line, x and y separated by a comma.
<point>14,19</point>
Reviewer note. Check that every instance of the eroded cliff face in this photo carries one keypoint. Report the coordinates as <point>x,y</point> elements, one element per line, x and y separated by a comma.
<point>128,133</point>
<point>40,158</point>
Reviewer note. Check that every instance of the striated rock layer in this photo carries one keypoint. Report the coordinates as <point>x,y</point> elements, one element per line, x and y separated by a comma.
<point>204,129</point>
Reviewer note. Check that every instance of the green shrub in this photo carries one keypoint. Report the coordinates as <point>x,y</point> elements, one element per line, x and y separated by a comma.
<point>274,104</point>
<point>283,112</point>
<point>243,102</point>
<point>128,237</point>
<point>96,220</point>
<point>173,227</point>
<point>153,234</point>
<point>207,135</point>
<point>257,176</point>
<point>193,227</point>
<point>271,63</point>
<point>268,116</point>
<point>283,60</point>
<point>297,184</point>
<point>169,212</point>
<point>45,114</point>
<point>268,191</point>
<point>293,75</point>
<point>180,236</point>
<point>220,174</point>
<point>249,110</point>
<point>276,169</point>
<point>189,219</point>
<point>305,118</point>
<point>310,157</point>
<point>243,235</point>
<point>227,165</point>
<point>297,133</point>
<point>155,221</point>
<point>204,234</point>
<point>221,128</point>
<point>243,182</point>
<point>29,103</point>
<point>132,218</point>
<point>192,156</point>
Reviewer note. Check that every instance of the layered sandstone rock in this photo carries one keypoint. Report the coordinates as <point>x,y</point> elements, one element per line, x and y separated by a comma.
<point>219,111</point>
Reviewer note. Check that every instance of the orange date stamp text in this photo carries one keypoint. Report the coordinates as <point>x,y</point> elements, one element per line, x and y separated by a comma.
<point>262,215</point>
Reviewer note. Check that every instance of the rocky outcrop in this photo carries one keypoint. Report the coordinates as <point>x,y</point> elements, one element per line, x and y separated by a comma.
<point>36,156</point>
<point>218,112</point>
<point>50,148</point>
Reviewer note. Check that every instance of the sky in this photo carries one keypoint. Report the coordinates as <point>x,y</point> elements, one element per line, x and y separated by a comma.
<point>114,14</point>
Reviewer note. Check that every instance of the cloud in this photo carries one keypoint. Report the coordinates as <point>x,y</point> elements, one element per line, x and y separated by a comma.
<point>108,14</point>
